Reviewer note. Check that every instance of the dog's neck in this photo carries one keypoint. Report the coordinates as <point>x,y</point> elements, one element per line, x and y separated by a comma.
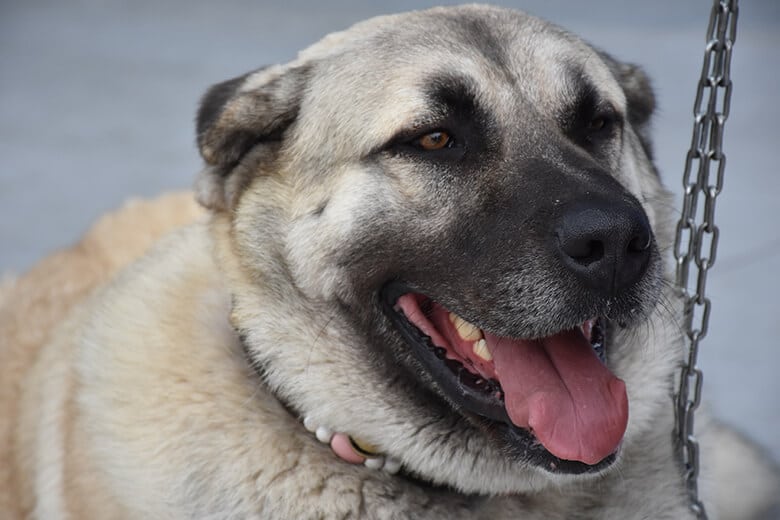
<point>352,450</point>
<point>344,446</point>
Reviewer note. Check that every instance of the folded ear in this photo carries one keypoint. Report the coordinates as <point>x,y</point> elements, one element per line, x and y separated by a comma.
<point>243,114</point>
<point>639,96</point>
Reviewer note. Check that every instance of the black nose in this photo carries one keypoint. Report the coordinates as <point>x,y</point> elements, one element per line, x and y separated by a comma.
<point>605,243</point>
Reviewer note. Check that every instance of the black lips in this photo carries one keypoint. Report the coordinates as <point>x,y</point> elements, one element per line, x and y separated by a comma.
<point>483,403</point>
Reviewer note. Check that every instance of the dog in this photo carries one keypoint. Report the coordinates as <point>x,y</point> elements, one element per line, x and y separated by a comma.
<point>431,284</point>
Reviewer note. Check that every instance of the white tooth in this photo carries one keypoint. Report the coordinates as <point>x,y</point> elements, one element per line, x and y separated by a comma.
<point>481,350</point>
<point>467,331</point>
<point>587,329</point>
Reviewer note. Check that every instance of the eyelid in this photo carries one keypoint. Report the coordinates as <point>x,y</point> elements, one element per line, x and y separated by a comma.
<point>417,130</point>
<point>609,113</point>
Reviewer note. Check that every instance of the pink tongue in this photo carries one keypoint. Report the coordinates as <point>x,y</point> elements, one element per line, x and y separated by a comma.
<point>558,388</point>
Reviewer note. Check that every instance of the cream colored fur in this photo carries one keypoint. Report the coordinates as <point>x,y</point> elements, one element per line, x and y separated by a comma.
<point>34,304</point>
<point>161,367</point>
<point>142,405</point>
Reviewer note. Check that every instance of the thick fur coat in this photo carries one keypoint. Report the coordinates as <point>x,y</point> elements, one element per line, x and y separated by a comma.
<point>476,162</point>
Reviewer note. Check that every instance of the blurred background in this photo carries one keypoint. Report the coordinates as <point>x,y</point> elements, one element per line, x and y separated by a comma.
<point>97,100</point>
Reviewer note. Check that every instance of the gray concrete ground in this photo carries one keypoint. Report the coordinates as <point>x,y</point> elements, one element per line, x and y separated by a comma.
<point>97,101</point>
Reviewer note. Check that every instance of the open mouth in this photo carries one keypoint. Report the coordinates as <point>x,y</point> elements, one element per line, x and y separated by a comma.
<point>558,404</point>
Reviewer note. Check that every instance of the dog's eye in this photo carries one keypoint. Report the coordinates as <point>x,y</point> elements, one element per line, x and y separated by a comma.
<point>436,140</point>
<point>425,144</point>
<point>599,124</point>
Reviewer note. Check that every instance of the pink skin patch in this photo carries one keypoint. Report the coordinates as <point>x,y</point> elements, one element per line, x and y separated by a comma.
<point>555,387</point>
<point>342,446</point>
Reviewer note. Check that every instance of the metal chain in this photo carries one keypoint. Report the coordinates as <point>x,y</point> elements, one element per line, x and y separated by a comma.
<point>696,233</point>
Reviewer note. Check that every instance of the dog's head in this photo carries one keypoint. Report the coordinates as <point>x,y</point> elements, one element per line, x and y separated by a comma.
<point>438,228</point>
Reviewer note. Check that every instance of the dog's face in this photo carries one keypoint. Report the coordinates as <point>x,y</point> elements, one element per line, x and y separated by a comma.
<point>441,233</point>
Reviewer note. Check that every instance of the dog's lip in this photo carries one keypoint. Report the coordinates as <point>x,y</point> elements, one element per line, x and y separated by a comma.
<point>471,393</point>
<point>484,399</point>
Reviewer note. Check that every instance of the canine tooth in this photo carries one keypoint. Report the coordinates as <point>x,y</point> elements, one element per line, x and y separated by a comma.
<point>467,331</point>
<point>588,328</point>
<point>481,350</point>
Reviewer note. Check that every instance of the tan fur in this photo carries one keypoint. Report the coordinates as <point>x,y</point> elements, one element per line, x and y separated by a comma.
<point>189,375</point>
<point>193,401</point>
<point>33,304</point>
<point>151,376</point>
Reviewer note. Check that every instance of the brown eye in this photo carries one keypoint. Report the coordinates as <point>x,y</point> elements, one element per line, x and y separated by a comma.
<point>434,141</point>
<point>597,124</point>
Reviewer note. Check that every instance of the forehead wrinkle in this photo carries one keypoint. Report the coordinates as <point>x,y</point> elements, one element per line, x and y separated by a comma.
<point>531,74</point>
<point>542,76</point>
<point>553,72</point>
<point>589,75</point>
<point>399,93</point>
<point>594,68</point>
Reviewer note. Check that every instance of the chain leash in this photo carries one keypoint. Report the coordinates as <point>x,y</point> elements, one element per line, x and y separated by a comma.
<point>696,233</point>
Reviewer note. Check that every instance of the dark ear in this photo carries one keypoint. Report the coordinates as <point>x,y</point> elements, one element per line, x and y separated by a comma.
<point>240,115</point>
<point>639,96</point>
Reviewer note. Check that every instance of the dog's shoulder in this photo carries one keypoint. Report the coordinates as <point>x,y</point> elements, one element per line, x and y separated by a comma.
<point>34,311</point>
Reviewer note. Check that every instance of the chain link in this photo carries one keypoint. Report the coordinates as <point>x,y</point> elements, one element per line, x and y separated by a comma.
<point>697,235</point>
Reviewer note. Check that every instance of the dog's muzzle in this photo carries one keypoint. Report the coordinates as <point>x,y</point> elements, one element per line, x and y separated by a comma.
<point>554,399</point>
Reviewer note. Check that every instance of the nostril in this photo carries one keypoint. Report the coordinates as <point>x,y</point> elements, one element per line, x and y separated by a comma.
<point>605,244</point>
<point>639,244</point>
<point>584,252</point>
